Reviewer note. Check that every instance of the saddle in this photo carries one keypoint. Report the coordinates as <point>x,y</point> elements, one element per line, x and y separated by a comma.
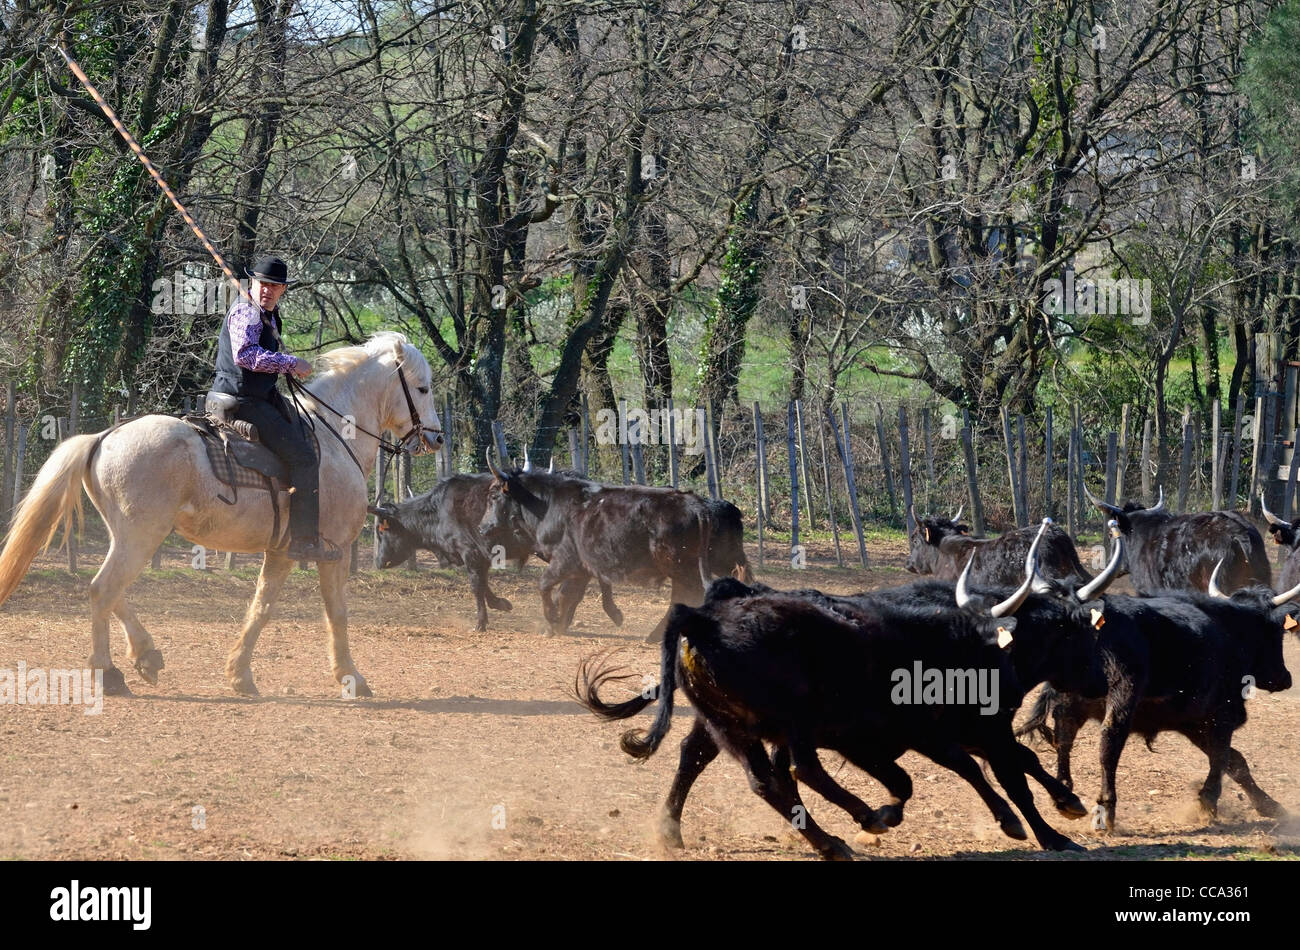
<point>236,455</point>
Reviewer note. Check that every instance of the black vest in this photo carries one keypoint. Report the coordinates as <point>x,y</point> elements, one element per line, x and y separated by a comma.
<point>233,378</point>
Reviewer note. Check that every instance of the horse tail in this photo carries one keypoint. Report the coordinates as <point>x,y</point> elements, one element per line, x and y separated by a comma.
<point>54,498</point>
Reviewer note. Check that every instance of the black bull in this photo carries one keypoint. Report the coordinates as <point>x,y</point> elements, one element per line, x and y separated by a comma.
<point>1171,552</point>
<point>940,547</point>
<point>445,520</point>
<point>616,534</point>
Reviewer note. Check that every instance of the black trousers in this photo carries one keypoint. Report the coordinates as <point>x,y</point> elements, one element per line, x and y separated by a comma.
<point>281,431</point>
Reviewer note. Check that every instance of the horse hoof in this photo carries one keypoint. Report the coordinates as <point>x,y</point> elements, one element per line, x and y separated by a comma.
<point>115,683</point>
<point>355,687</point>
<point>243,685</point>
<point>148,666</point>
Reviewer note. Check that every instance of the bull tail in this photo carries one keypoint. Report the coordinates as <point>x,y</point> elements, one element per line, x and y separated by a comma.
<point>742,572</point>
<point>54,499</point>
<point>1039,714</point>
<point>706,539</point>
<point>1255,554</point>
<point>595,673</point>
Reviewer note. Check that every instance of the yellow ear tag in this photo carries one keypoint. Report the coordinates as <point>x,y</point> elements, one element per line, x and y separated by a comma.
<point>1098,620</point>
<point>1004,637</point>
<point>1291,623</point>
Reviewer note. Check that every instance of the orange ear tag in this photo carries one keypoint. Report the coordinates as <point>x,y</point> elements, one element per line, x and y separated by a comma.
<point>1004,637</point>
<point>1290,623</point>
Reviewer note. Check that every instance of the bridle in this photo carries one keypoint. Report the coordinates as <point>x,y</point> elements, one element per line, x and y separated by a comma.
<point>416,431</point>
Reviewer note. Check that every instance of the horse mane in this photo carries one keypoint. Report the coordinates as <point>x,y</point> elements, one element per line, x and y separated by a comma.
<point>338,367</point>
<point>346,358</point>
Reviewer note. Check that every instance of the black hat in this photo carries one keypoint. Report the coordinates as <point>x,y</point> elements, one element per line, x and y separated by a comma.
<point>270,270</point>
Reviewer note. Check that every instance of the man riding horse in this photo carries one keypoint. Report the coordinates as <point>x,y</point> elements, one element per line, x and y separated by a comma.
<point>249,362</point>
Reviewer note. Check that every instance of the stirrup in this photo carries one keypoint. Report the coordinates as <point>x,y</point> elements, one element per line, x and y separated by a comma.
<point>320,550</point>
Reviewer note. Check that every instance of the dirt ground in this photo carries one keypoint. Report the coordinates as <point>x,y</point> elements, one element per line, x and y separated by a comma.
<point>472,746</point>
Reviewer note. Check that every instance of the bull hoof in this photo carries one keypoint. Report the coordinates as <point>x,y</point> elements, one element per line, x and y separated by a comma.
<point>1061,843</point>
<point>873,823</point>
<point>148,666</point>
<point>1071,807</point>
<point>115,683</point>
<point>835,849</point>
<point>1209,809</point>
<point>891,815</point>
<point>1012,828</point>
<point>242,683</point>
<point>355,686</point>
<point>1269,808</point>
<point>502,604</point>
<point>616,615</point>
<point>670,834</point>
<point>1103,819</point>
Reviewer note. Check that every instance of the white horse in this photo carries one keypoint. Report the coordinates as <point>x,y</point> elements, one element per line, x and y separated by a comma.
<point>151,476</point>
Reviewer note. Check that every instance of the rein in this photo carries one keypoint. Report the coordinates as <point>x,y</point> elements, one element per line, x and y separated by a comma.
<point>392,448</point>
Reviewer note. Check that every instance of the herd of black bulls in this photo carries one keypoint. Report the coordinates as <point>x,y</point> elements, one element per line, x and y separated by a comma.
<point>774,676</point>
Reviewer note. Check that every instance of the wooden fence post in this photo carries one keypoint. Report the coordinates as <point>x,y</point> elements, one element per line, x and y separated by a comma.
<point>1185,467</point>
<point>1216,462</point>
<point>447,436</point>
<point>70,540</point>
<point>638,455</point>
<point>1255,460</point>
<point>884,459</point>
<point>1125,440</point>
<point>905,468</point>
<point>1010,449</point>
<point>803,464</point>
<point>381,475</point>
<point>972,478</point>
<point>1071,510</point>
<point>624,436</point>
<point>711,458</point>
<point>1146,460</point>
<point>929,459</point>
<point>11,420</point>
<point>404,491</point>
<point>672,444</point>
<point>1231,502</point>
<point>830,505</point>
<point>794,482</point>
<point>759,476</point>
<point>1048,464</point>
<point>1022,481</point>
<point>760,451</point>
<point>846,460</point>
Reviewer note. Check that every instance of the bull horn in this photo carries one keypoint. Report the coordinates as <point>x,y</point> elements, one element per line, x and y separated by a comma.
<point>1101,505</point>
<point>381,511</point>
<point>496,472</point>
<point>1269,516</point>
<point>528,463</point>
<point>1103,580</point>
<point>1012,603</point>
<point>1291,594</point>
<point>961,593</point>
<point>1215,591</point>
<point>1031,562</point>
<point>960,509</point>
<point>550,469</point>
<point>1160,501</point>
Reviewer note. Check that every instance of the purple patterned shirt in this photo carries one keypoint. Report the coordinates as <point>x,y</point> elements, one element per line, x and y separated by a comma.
<point>244,323</point>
